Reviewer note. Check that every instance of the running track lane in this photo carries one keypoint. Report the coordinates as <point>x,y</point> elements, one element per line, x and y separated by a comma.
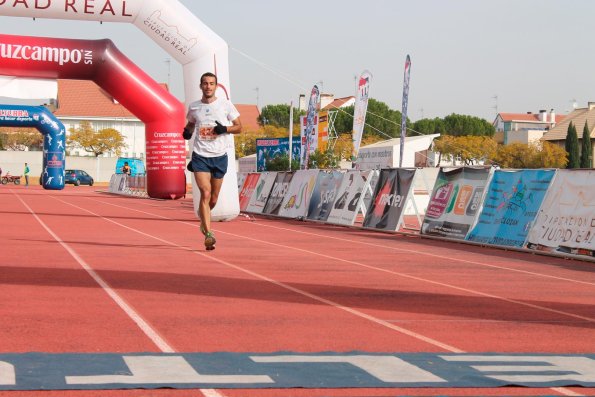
<point>281,288</point>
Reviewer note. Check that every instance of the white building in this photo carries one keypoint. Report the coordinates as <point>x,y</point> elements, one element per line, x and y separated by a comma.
<point>83,100</point>
<point>524,127</point>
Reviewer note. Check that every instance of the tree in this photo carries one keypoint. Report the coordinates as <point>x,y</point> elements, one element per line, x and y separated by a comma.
<point>278,115</point>
<point>97,142</point>
<point>381,121</point>
<point>468,149</point>
<point>430,126</point>
<point>586,149</point>
<point>343,146</point>
<point>281,163</point>
<point>571,146</point>
<point>324,160</point>
<point>551,155</point>
<point>21,138</point>
<point>344,120</point>
<point>245,143</point>
<point>459,125</point>
<point>535,155</point>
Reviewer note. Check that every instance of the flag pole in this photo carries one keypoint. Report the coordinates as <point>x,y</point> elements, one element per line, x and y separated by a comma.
<point>290,133</point>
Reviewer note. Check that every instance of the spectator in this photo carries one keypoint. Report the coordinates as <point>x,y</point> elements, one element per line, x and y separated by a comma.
<point>126,169</point>
<point>26,172</point>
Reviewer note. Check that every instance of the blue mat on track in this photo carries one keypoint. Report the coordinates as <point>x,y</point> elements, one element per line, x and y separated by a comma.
<point>39,371</point>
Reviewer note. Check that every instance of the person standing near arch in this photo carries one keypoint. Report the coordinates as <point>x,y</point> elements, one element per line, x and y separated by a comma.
<point>26,173</point>
<point>212,121</point>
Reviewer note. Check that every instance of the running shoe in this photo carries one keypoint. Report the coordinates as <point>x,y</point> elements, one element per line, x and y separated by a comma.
<point>210,241</point>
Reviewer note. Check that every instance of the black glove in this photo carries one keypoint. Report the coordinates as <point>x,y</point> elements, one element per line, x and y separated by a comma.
<point>187,133</point>
<point>219,128</point>
<point>189,166</point>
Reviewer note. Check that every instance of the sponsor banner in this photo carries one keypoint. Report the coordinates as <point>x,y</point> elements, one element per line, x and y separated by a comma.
<point>297,199</point>
<point>248,189</point>
<point>359,111</point>
<point>303,125</point>
<point>269,148</point>
<point>404,108</point>
<point>117,184</point>
<point>278,192</point>
<point>322,130</point>
<point>391,193</point>
<point>261,192</point>
<point>241,179</point>
<point>510,206</point>
<point>310,132</point>
<point>284,370</point>
<point>349,197</point>
<point>324,194</point>
<point>455,202</point>
<point>566,220</point>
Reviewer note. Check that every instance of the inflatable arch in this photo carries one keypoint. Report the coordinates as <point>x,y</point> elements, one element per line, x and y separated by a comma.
<point>173,27</point>
<point>54,139</point>
<point>100,61</point>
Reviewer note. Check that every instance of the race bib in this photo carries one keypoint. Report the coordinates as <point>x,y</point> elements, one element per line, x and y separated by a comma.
<point>206,132</point>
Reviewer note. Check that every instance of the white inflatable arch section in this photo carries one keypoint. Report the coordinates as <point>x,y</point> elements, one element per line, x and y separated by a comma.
<point>175,29</point>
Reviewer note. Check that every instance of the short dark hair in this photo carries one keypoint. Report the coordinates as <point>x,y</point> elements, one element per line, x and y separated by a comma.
<point>208,74</point>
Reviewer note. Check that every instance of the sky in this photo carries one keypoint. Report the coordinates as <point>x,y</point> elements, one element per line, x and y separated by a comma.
<point>472,57</point>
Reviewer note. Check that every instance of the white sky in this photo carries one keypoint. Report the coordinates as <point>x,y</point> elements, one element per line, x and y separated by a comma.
<point>531,54</point>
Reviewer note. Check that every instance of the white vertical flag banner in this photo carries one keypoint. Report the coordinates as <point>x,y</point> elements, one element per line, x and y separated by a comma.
<point>310,130</point>
<point>404,109</point>
<point>359,113</point>
<point>290,134</point>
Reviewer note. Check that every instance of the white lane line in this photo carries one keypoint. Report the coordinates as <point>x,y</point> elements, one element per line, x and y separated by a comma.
<point>137,318</point>
<point>566,392</point>
<point>455,259</point>
<point>415,335</point>
<point>151,333</point>
<point>450,258</point>
<point>272,281</point>
<point>359,264</point>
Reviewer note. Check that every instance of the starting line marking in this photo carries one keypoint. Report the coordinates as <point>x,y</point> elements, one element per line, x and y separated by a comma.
<point>40,371</point>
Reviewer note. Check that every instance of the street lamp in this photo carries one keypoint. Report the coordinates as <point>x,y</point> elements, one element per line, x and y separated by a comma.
<point>257,98</point>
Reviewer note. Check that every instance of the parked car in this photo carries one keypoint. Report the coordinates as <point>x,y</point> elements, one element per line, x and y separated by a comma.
<point>78,177</point>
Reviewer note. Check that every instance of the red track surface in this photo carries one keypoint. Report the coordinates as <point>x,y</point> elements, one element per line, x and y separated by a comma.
<point>271,285</point>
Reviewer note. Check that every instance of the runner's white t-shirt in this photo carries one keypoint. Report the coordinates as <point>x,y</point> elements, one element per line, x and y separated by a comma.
<point>206,142</point>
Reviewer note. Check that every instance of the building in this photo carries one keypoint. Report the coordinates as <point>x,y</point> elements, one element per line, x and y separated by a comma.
<point>338,103</point>
<point>83,100</point>
<point>249,115</point>
<point>327,102</point>
<point>578,117</point>
<point>524,127</point>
